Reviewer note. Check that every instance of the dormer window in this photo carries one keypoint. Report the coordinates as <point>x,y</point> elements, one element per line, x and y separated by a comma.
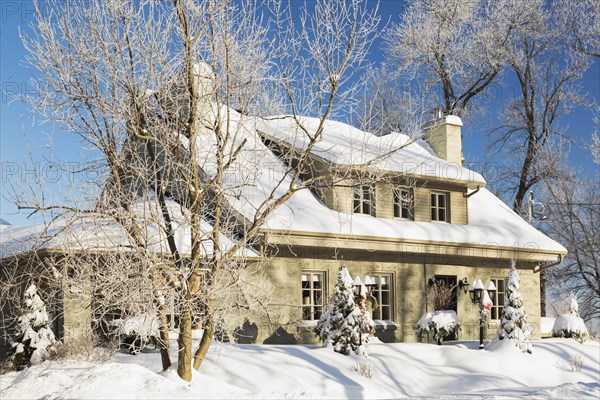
<point>439,207</point>
<point>403,203</point>
<point>364,200</point>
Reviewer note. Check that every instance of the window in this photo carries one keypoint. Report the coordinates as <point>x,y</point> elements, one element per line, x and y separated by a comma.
<point>364,200</point>
<point>439,207</point>
<point>403,203</point>
<point>312,295</point>
<point>382,292</point>
<point>498,297</point>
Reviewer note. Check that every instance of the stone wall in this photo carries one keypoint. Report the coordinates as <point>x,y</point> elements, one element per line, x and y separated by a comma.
<point>409,282</point>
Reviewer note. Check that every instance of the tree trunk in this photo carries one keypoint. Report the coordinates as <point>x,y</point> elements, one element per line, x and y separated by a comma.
<point>184,342</point>
<point>165,354</point>
<point>207,337</point>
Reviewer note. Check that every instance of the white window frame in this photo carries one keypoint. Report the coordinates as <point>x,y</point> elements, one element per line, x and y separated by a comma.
<point>403,199</point>
<point>361,203</point>
<point>436,208</point>
<point>313,305</point>
<point>377,292</point>
<point>497,307</point>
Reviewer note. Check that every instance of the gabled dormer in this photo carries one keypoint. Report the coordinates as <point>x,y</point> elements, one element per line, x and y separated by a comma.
<point>391,177</point>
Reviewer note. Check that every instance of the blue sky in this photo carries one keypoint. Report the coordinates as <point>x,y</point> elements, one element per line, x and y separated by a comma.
<point>21,135</point>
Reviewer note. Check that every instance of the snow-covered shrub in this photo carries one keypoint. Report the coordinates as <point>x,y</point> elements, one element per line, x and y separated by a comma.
<point>440,323</point>
<point>570,325</point>
<point>513,320</point>
<point>346,324</point>
<point>34,337</point>
<point>136,332</point>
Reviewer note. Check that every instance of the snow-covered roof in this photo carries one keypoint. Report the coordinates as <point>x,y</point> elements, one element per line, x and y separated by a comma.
<point>257,176</point>
<point>93,233</point>
<point>257,172</point>
<point>344,145</point>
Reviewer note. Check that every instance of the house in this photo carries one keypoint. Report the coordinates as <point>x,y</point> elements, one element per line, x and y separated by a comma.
<point>404,211</point>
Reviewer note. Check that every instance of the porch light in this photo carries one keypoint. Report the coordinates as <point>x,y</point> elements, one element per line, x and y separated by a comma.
<point>357,281</point>
<point>464,285</point>
<point>369,282</point>
<point>491,288</point>
<point>476,291</point>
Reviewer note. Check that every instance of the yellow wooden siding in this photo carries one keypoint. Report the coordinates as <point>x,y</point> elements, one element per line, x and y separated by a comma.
<point>422,204</point>
<point>458,208</point>
<point>344,197</point>
<point>341,198</point>
<point>385,201</point>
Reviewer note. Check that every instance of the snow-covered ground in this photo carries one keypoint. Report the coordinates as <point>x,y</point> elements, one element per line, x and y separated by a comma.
<point>455,370</point>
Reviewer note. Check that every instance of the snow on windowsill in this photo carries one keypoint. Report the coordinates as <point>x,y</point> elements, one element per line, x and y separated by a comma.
<point>385,325</point>
<point>308,324</point>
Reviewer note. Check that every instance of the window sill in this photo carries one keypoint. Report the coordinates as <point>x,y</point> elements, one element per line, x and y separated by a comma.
<point>307,324</point>
<point>385,325</point>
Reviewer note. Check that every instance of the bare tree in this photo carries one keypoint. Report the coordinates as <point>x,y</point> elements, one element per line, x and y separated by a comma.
<point>449,46</point>
<point>574,220</point>
<point>547,88</point>
<point>595,145</point>
<point>595,148</point>
<point>164,95</point>
<point>547,78</point>
<point>390,106</point>
<point>580,25</point>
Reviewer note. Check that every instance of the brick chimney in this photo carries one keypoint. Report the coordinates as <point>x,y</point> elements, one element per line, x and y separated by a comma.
<point>444,136</point>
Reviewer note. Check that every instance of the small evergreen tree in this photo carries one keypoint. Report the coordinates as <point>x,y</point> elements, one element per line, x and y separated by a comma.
<point>34,336</point>
<point>513,320</point>
<point>346,324</point>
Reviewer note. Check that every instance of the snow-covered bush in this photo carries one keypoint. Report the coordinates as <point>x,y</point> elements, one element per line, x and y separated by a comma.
<point>346,324</point>
<point>136,332</point>
<point>570,325</point>
<point>513,320</point>
<point>440,295</point>
<point>34,337</point>
<point>440,323</point>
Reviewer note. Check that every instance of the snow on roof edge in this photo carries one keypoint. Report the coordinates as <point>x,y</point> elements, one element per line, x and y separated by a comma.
<point>412,159</point>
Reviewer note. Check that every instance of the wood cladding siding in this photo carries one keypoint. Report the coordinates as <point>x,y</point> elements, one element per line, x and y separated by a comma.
<point>458,208</point>
<point>384,206</point>
<point>422,204</point>
<point>338,194</point>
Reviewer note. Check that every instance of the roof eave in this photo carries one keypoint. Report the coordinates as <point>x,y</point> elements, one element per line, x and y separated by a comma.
<point>375,243</point>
